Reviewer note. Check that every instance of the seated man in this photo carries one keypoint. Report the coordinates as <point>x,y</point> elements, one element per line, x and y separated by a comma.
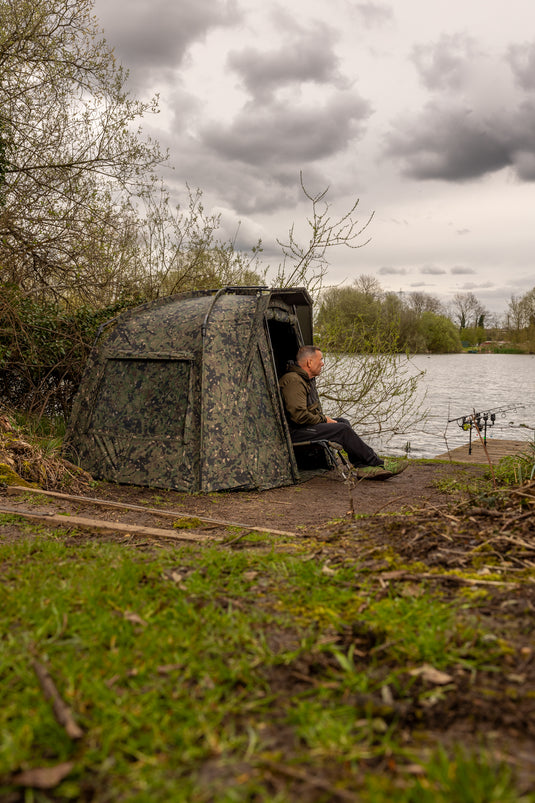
<point>308,423</point>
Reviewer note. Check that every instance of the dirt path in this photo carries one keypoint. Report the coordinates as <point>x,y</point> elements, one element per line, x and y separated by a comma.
<point>313,503</point>
<point>304,508</point>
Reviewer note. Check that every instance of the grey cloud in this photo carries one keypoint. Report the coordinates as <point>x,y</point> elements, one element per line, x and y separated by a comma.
<point>151,36</point>
<point>388,271</point>
<point>277,134</point>
<point>459,270</point>
<point>249,189</point>
<point>451,145</point>
<point>431,270</point>
<point>477,285</point>
<point>308,57</point>
<point>476,122</point>
<point>240,229</point>
<point>522,61</point>
<point>374,14</point>
<point>523,142</point>
<point>525,164</point>
<point>444,65</point>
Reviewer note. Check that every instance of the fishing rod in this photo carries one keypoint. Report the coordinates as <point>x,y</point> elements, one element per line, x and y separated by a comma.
<point>481,420</point>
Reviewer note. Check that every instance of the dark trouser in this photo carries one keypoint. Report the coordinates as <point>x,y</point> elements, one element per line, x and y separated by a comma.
<point>359,453</point>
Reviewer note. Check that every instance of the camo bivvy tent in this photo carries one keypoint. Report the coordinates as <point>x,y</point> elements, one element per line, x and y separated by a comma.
<point>182,393</point>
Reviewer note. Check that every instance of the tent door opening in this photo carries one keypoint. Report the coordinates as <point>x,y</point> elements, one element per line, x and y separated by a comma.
<point>286,339</point>
<point>285,342</point>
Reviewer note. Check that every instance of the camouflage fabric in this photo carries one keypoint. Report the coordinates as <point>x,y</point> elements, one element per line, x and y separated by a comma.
<point>182,394</point>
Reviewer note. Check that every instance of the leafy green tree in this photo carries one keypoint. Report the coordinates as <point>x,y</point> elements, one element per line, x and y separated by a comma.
<point>440,335</point>
<point>515,317</point>
<point>397,314</point>
<point>345,314</point>
<point>73,157</point>
<point>367,376</point>
<point>43,350</point>
<point>473,335</point>
<point>528,316</point>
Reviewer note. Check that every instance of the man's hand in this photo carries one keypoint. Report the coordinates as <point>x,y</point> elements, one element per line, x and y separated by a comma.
<point>330,420</point>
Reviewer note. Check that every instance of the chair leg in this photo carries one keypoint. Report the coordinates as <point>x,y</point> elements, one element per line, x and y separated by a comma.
<point>343,466</point>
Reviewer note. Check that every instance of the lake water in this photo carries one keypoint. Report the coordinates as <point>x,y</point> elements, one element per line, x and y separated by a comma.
<point>457,384</point>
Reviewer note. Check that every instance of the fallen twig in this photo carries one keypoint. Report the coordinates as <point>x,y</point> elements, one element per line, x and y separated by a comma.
<point>485,511</point>
<point>61,710</point>
<point>514,519</point>
<point>515,542</point>
<point>305,777</point>
<point>390,501</point>
<point>401,575</point>
<point>443,514</point>
<point>237,538</point>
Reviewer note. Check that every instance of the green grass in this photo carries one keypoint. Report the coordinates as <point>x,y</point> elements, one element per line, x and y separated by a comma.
<point>516,469</point>
<point>191,672</point>
<point>463,778</point>
<point>44,426</point>
<point>464,483</point>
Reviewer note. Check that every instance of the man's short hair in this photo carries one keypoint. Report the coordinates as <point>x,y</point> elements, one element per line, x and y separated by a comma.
<point>305,352</point>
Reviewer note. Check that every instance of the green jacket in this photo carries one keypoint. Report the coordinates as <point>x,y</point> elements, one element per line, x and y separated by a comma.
<point>300,398</point>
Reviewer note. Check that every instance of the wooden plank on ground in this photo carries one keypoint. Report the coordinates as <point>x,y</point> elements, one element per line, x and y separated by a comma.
<point>172,514</point>
<point>102,524</point>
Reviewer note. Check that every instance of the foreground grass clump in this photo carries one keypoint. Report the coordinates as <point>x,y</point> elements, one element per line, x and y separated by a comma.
<point>223,676</point>
<point>516,469</point>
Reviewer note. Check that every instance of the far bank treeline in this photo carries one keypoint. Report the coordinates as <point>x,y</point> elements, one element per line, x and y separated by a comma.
<point>363,318</point>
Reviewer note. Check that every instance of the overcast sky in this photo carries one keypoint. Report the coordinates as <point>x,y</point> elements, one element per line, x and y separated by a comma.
<point>425,111</point>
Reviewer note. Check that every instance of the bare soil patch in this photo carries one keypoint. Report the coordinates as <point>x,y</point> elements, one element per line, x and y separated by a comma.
<point>313,503</point>
<point>305,508</point>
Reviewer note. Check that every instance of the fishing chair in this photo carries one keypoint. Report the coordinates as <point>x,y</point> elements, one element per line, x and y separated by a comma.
<point>317,455</point>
